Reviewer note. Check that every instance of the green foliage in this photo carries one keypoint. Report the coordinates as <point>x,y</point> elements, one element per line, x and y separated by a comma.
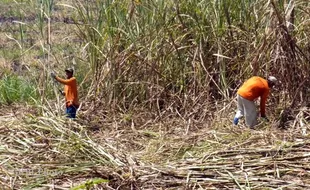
<point>89,184</point>
<point>10,54</point>
<point>164,41</point>
<point>45,8</point>
<point>178,45</point>
<point>14,89</point>
<point>142,51</point>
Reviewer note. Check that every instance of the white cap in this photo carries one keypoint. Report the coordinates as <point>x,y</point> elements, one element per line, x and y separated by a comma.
<point>272,79</point>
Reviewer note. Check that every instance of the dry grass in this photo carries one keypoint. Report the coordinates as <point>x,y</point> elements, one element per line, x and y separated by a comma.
<point>139,151</point>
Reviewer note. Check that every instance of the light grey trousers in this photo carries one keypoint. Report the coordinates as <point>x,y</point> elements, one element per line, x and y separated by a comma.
<point>247,109</point>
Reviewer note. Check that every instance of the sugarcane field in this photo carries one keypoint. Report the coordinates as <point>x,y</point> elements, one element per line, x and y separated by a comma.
<point>154,94</point>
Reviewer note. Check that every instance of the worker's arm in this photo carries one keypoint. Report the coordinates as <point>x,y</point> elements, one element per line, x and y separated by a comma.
<point>65,81</point>
<point>263,100</point>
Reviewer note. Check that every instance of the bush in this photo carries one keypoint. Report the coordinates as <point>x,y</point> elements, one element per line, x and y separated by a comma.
<point>16,89</point>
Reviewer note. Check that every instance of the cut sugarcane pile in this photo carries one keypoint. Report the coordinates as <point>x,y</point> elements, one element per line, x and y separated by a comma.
<point>45,152</point>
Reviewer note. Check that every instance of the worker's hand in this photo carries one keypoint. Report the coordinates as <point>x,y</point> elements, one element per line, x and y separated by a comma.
<point>265,118</point>
<point>61,92</point>
<point>53,75</point>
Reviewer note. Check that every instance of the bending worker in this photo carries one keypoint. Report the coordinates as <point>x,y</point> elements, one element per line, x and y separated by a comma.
<point>250,90</point>
<point>70,92</point>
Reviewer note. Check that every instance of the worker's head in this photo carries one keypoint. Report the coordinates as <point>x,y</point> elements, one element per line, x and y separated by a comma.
<point>69,72</point>
<point>272,81</point>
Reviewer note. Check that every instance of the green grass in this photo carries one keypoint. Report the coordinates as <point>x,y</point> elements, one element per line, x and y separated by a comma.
<point>14,89</point>
<point>89,184</point>
<point>134,49</point>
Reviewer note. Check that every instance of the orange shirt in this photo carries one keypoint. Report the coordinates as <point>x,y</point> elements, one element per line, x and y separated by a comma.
<point>70,90</point>
<point>253,88</point>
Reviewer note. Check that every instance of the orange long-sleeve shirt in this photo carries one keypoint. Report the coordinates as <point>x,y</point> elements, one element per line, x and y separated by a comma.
<point>70,91</point>
<point>253,88</point>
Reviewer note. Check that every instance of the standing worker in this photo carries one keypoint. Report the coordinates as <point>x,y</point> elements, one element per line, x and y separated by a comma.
<point>250,90</point>
<point>70,92</point>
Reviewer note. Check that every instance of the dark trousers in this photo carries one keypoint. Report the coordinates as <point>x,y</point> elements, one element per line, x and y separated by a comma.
<point>71,111</point>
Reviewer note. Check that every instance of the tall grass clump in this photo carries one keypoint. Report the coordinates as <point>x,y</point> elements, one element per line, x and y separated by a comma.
<point>14,89</point>
<point>159,52</point>
<point>44,10</point>
<point>181,55</point>
<point>31,33</point>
